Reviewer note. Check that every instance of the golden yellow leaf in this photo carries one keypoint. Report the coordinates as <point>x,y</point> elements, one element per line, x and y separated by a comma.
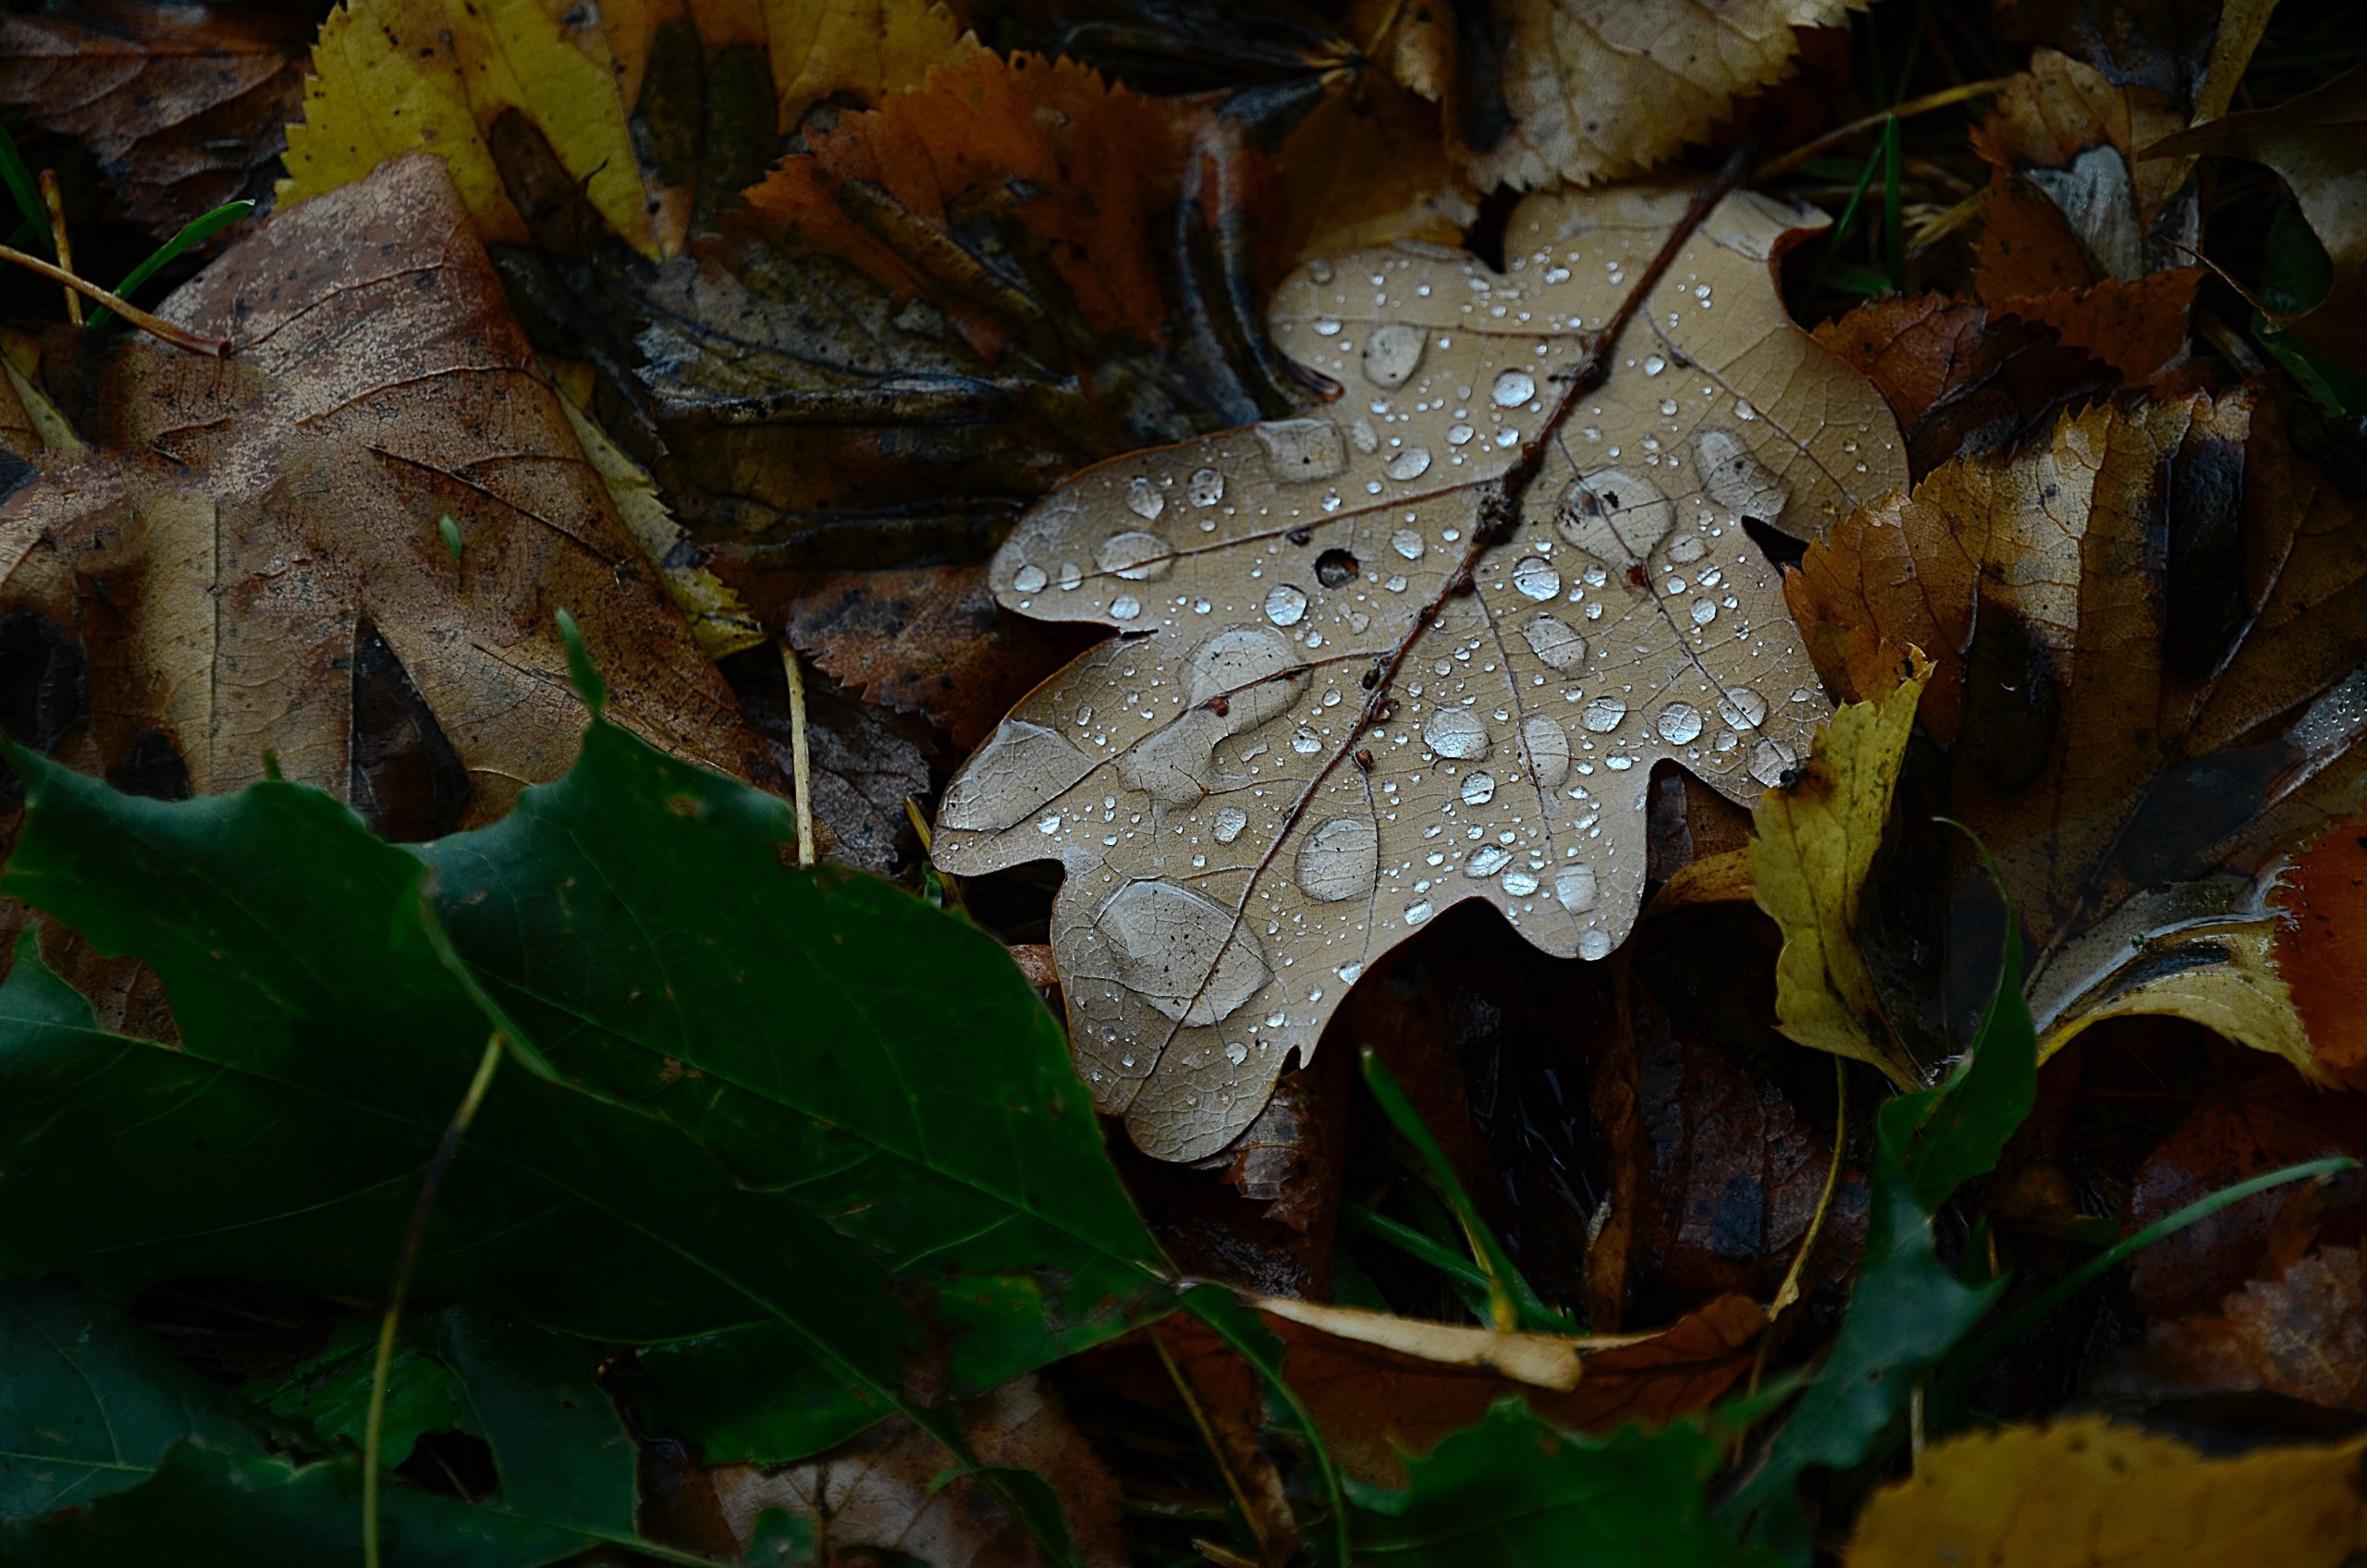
<point>2086,1493</point>
<point>661,113</point>
<point>1592,90</point>
<point>1817,835</point>
<point>1313,742</point>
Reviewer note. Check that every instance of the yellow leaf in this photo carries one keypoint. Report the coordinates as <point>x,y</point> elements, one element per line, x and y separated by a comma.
<point>1816,839</point>
<point>2088,1494</point>
<point>634,104</point>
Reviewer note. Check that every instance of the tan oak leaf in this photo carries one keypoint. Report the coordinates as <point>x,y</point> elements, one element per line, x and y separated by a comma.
<point>1354,689</point>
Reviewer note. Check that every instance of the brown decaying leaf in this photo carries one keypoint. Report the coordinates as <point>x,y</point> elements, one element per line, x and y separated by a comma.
<point>1593,90</point>
<point>253,565</point>
<point>2322,943</point>
<point>2072,135</point>
<point>2084,1493</point>
<point>2274,1119</point>
<point>2312,141</point>
<point>184,106</point>
<point>2302,1333</point>
<point>881,1491</point>
<point>1382,1387</point>
<point>1323,742</point>
<point>2146,634</point>
<point>1960,381</point>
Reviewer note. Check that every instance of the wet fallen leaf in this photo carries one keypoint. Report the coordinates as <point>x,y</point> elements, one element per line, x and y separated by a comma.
<point>662,113</point>
<point>1961,380</point>
<point>2324,898</point>
<point>1819,831</point>
<point>2302,1334</point>
<point>2313,142</point>
<point>2137,327</point>
<point>1253,801</point>
<point>184,107</point>
<point>1592,90</point>
<point>251,569</point>
<point>2138,762</point>
<point>2085,1493</point>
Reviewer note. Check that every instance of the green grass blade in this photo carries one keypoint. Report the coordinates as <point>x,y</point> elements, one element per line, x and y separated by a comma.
<point>195,231</point>
<point>24,187</point>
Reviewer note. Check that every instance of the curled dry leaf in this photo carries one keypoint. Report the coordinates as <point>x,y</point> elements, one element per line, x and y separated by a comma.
<point>1382,1387</point>
<point>661,114</point>
<point>1348,706</point>
<point>1592,90</point>
<point>252,565</point>
<point>2148,639</point>
<point>2085,1493</point>
<point>184,107</point>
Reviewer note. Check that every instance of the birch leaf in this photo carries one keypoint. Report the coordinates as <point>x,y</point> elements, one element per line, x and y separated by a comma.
<point>1374,671</point>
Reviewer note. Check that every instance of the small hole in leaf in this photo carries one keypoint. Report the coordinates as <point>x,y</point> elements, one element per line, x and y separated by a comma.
<point>1335,567</point>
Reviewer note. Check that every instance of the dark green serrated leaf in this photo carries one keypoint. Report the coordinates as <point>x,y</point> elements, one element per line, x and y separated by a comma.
<point>330,1394</point>
<point>1514,1492</point>
<point>204,1508</point>
<point>89,1402</point>
<point>561,1449</point>
<point>833,1039</point>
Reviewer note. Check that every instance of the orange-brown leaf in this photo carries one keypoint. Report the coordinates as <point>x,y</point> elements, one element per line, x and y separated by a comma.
<point>2302,1334</point>
<point>2322,943</point>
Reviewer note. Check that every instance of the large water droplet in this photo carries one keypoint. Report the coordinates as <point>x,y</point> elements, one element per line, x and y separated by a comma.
<point>1535,576</point>
<point>1408,543</point>
<point>1553,640</point>
<point>1340,860</point>
<point>1143,498</point>
<point>1519,882</point>
<point>1736,480</point>
<point>1479,790</point>
<point>1418,911</point>
<point>1575,888</point>
<point>1391,352</point>
<point>1302,450</point>
<point>1411,463</point>
<point>1654,364</point>
<point>1182,952</point>
<point>1603,715</point>
<point>1593,946</point>
<point>1770,760</point>
<point>1135,555</point>
<point>1305,742</point>
<point>1252,669</point>
<point>1486,861</point>
<point>1742,708</point>
<point>1024,765</point>
<point>1704,611</point>
<point>1457,733</point>
<point>1125,607</point>
<point>1549,752</point>
<point>1205,489</point>
<point>1029,580</point>
<point>1680,724</point>
<point>1285,605</point>
<point>1229,823</point>
<point>1513,388</point>
<point>1614,514</point>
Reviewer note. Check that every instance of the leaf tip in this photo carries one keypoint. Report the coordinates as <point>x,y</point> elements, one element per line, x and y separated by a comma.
<point>580,667</point>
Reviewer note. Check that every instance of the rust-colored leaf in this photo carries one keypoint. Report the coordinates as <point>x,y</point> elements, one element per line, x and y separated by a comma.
<point>1326,738</point>
<point>2322,943</point>
<point>2302,1334</point>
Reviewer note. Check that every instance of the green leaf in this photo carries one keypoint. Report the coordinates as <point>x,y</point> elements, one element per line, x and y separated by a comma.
<point>1514,1492</point>
<point>204,1508</point>
<point>829,1038</point>
<point>329,1395</point>
<point>1908,1308</point>
<point>561,1449</point>
<point>327,1035</point>
<point>89,1402</point>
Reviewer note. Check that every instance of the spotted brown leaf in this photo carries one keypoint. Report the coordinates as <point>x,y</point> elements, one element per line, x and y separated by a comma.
<point>1358,682</point>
